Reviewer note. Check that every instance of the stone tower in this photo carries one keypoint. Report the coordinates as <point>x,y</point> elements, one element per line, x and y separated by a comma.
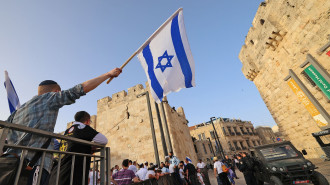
<point>124,119</point>
<point>291,35</point>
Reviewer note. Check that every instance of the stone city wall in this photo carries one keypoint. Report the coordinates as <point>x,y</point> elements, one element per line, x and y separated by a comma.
<point>283,32</point>
<point>124,119</point>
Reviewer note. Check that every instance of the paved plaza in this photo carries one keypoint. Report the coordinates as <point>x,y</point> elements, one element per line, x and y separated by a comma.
<point>323,167</point>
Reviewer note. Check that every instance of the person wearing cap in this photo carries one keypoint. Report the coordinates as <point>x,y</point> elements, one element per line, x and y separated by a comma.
<point>222,176</point>
<point>41,113</point>
<point>151,173</point>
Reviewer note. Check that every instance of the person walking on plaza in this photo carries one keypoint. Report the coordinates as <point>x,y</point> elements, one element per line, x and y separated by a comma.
<point>41,113</point>
<point>246,165</point>
<point>124,176</point>
<point>191,173</point>
<point>202,166</point>
<point>218,171</point>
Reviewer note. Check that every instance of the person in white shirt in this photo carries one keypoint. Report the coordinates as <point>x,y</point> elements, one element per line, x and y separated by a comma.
<point>151,173</point>
<point>141,173</point>
<point>94,177</point>
<point>116,169</point>
<point>182,174</point>
<point>218,172</point>
<point>200,177</point>
<point>202,166</point>
<point>132,167</point>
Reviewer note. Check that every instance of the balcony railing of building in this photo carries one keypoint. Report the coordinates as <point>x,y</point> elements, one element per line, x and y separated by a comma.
<point>244,148</point>
<point>238,148</point>
<point>101,161</point>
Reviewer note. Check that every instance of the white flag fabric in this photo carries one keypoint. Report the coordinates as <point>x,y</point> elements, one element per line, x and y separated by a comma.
<point>13,100</point>
<point>167,60</point>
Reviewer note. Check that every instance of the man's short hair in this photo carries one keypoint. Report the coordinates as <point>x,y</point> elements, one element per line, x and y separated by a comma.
<point>125,163</point>
<point>47,86</point>
<point>130,161</point>
<point>82,116</point>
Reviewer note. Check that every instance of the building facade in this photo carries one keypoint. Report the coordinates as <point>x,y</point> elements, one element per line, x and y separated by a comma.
<point>286,55</point>
<point>124,120</point>
<point>234,135</point>
<point>204,150</point>
<point>266,135</point>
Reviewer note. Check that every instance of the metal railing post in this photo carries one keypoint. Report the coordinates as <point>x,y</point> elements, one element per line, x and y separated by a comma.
<point>84,171</point>
<point>108,160</point>
<point>41,167</point>
<point>3,139</point>
<point>72,169</point>
<point>58,168</point>
<point>20,167</point>
<point>102,170</point>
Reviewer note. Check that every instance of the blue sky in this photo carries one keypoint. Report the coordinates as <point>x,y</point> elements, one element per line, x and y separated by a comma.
<point>73,41</point>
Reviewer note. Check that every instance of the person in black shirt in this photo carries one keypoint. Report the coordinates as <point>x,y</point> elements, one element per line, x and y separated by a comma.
<point>80,129</point>
<point>191,172</point>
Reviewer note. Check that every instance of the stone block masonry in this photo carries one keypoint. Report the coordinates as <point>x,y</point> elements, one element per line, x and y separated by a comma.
<point>124,119</point>
<point>283,32</point>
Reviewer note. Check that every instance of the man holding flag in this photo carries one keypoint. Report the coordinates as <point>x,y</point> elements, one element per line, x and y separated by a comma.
<point>41,113</point>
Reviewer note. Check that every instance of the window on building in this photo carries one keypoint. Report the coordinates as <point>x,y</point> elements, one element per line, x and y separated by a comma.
<point>204,148</point>
<point>195,148</point>
<point>235,144</point>
<point>212,134</point>
<point>203,136</point>
<point>248,143</point>
<point>254,143</point>
<point>241,142</point>
<point>259,142</point>
<point>242,130</point>
<point>199,137</point>
<point>235,130</point>
<point>211,149</point>
<point>224,131</point>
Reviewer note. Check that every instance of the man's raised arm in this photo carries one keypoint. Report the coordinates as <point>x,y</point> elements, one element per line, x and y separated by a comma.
<point>93,83</point>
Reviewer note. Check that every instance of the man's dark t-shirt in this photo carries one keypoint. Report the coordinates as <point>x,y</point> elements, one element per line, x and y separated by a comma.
<point>191,169</point>
<point>87,133</point>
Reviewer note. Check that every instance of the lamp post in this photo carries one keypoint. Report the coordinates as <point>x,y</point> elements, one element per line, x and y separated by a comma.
<point>217,139</point>
<point>211,146</point>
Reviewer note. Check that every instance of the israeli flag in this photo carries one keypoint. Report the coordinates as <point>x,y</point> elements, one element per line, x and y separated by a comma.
<point>13,100</point>
<point>167,60</point>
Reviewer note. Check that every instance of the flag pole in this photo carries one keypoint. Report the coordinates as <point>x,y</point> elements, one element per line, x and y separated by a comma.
<point>148,40</point>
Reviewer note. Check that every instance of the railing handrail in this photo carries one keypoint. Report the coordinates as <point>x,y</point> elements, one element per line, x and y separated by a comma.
<point>51,151</point>
<point>47,134</point>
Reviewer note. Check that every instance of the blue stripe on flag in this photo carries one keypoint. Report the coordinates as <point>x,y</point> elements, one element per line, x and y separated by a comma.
<point>154,82</point>
<point>11,107</point>
<point>180,52</point>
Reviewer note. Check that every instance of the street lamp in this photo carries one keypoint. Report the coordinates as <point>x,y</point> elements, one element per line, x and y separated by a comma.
<point>217,138</point>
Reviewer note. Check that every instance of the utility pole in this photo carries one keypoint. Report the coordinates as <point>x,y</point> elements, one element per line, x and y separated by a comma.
<point>217,139</point>
<point>211,146</point>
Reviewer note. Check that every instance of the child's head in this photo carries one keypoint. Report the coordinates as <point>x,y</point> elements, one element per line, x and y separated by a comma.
<point>198,170</point>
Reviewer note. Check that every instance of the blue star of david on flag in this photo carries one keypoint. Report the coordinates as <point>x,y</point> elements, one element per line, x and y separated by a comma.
<point>168,64</point>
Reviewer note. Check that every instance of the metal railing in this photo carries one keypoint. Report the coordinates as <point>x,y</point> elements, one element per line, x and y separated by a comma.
<point>101,160</point>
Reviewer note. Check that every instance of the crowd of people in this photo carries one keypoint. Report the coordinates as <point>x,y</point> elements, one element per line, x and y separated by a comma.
<point>183,171</point>
<point>41,113</point>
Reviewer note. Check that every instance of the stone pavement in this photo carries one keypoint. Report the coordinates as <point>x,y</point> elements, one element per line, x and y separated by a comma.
<point>323,167</point>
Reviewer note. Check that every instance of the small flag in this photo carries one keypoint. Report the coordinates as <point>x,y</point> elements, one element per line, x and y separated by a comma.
<point>167,60</point>
<point>13,100</point>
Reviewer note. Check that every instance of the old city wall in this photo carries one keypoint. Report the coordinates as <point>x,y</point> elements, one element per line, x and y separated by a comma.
<point>124,119</point>
<point>283,32</point>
